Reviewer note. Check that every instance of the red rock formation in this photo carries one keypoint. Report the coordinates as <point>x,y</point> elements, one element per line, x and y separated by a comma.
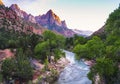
<point>1,3</point>
<point>49,20</point>
<point>9,19</point>
<point>22,13</point>
<point>5,54</point>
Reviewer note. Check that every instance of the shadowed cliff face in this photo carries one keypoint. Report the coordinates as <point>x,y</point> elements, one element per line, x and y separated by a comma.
<point>49,20</point>
<point>101,32</point>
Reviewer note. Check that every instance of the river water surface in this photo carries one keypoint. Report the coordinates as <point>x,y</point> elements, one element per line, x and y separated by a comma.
<point>74,73</point>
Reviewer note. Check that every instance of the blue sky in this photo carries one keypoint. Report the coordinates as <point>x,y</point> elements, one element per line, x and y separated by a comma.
<point>79,14</point>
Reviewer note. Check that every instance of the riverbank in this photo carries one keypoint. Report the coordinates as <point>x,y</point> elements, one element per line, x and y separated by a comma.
<point>49,74</point>
<point>89,62</point>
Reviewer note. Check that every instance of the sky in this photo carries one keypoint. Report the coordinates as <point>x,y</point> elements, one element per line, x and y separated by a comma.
<point>78,14</point>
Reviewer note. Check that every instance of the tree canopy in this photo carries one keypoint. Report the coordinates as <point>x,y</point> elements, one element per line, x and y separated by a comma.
<point>51,46</point>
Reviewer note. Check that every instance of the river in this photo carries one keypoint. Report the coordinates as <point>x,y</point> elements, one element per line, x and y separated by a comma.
<point>75,72</point>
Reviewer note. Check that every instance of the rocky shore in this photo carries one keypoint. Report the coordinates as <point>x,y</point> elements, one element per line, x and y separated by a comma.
<point>89,62</point>
<point>49,74</point>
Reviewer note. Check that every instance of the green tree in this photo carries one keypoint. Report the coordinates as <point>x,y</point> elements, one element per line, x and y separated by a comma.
<point>17,67</point>
<point>69,43</point>
<point>81,51</point>
<point>93,49</point>
<point>106,69</point>
<point>107,66</point>
<point>104,66</point>
<point>49,35</point>
<point>60,40</point>
<point>79,40</point>
<point>51,46</point>
<point>42,50</point>
<point>96,48</point>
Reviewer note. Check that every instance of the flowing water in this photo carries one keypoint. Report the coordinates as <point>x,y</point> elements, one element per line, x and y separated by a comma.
<point>74,73</point>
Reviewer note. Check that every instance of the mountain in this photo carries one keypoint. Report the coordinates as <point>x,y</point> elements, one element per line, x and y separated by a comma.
<point>111,27</point>
<point>1,3</point>
<point>49,20</point>
<point>100,31</point>
<point>22,13</point>
<point>83,33</point>
<point>9,19</point>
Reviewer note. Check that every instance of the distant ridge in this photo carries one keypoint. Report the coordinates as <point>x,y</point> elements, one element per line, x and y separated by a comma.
<point>100,32</point>
<point>82,33</point>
